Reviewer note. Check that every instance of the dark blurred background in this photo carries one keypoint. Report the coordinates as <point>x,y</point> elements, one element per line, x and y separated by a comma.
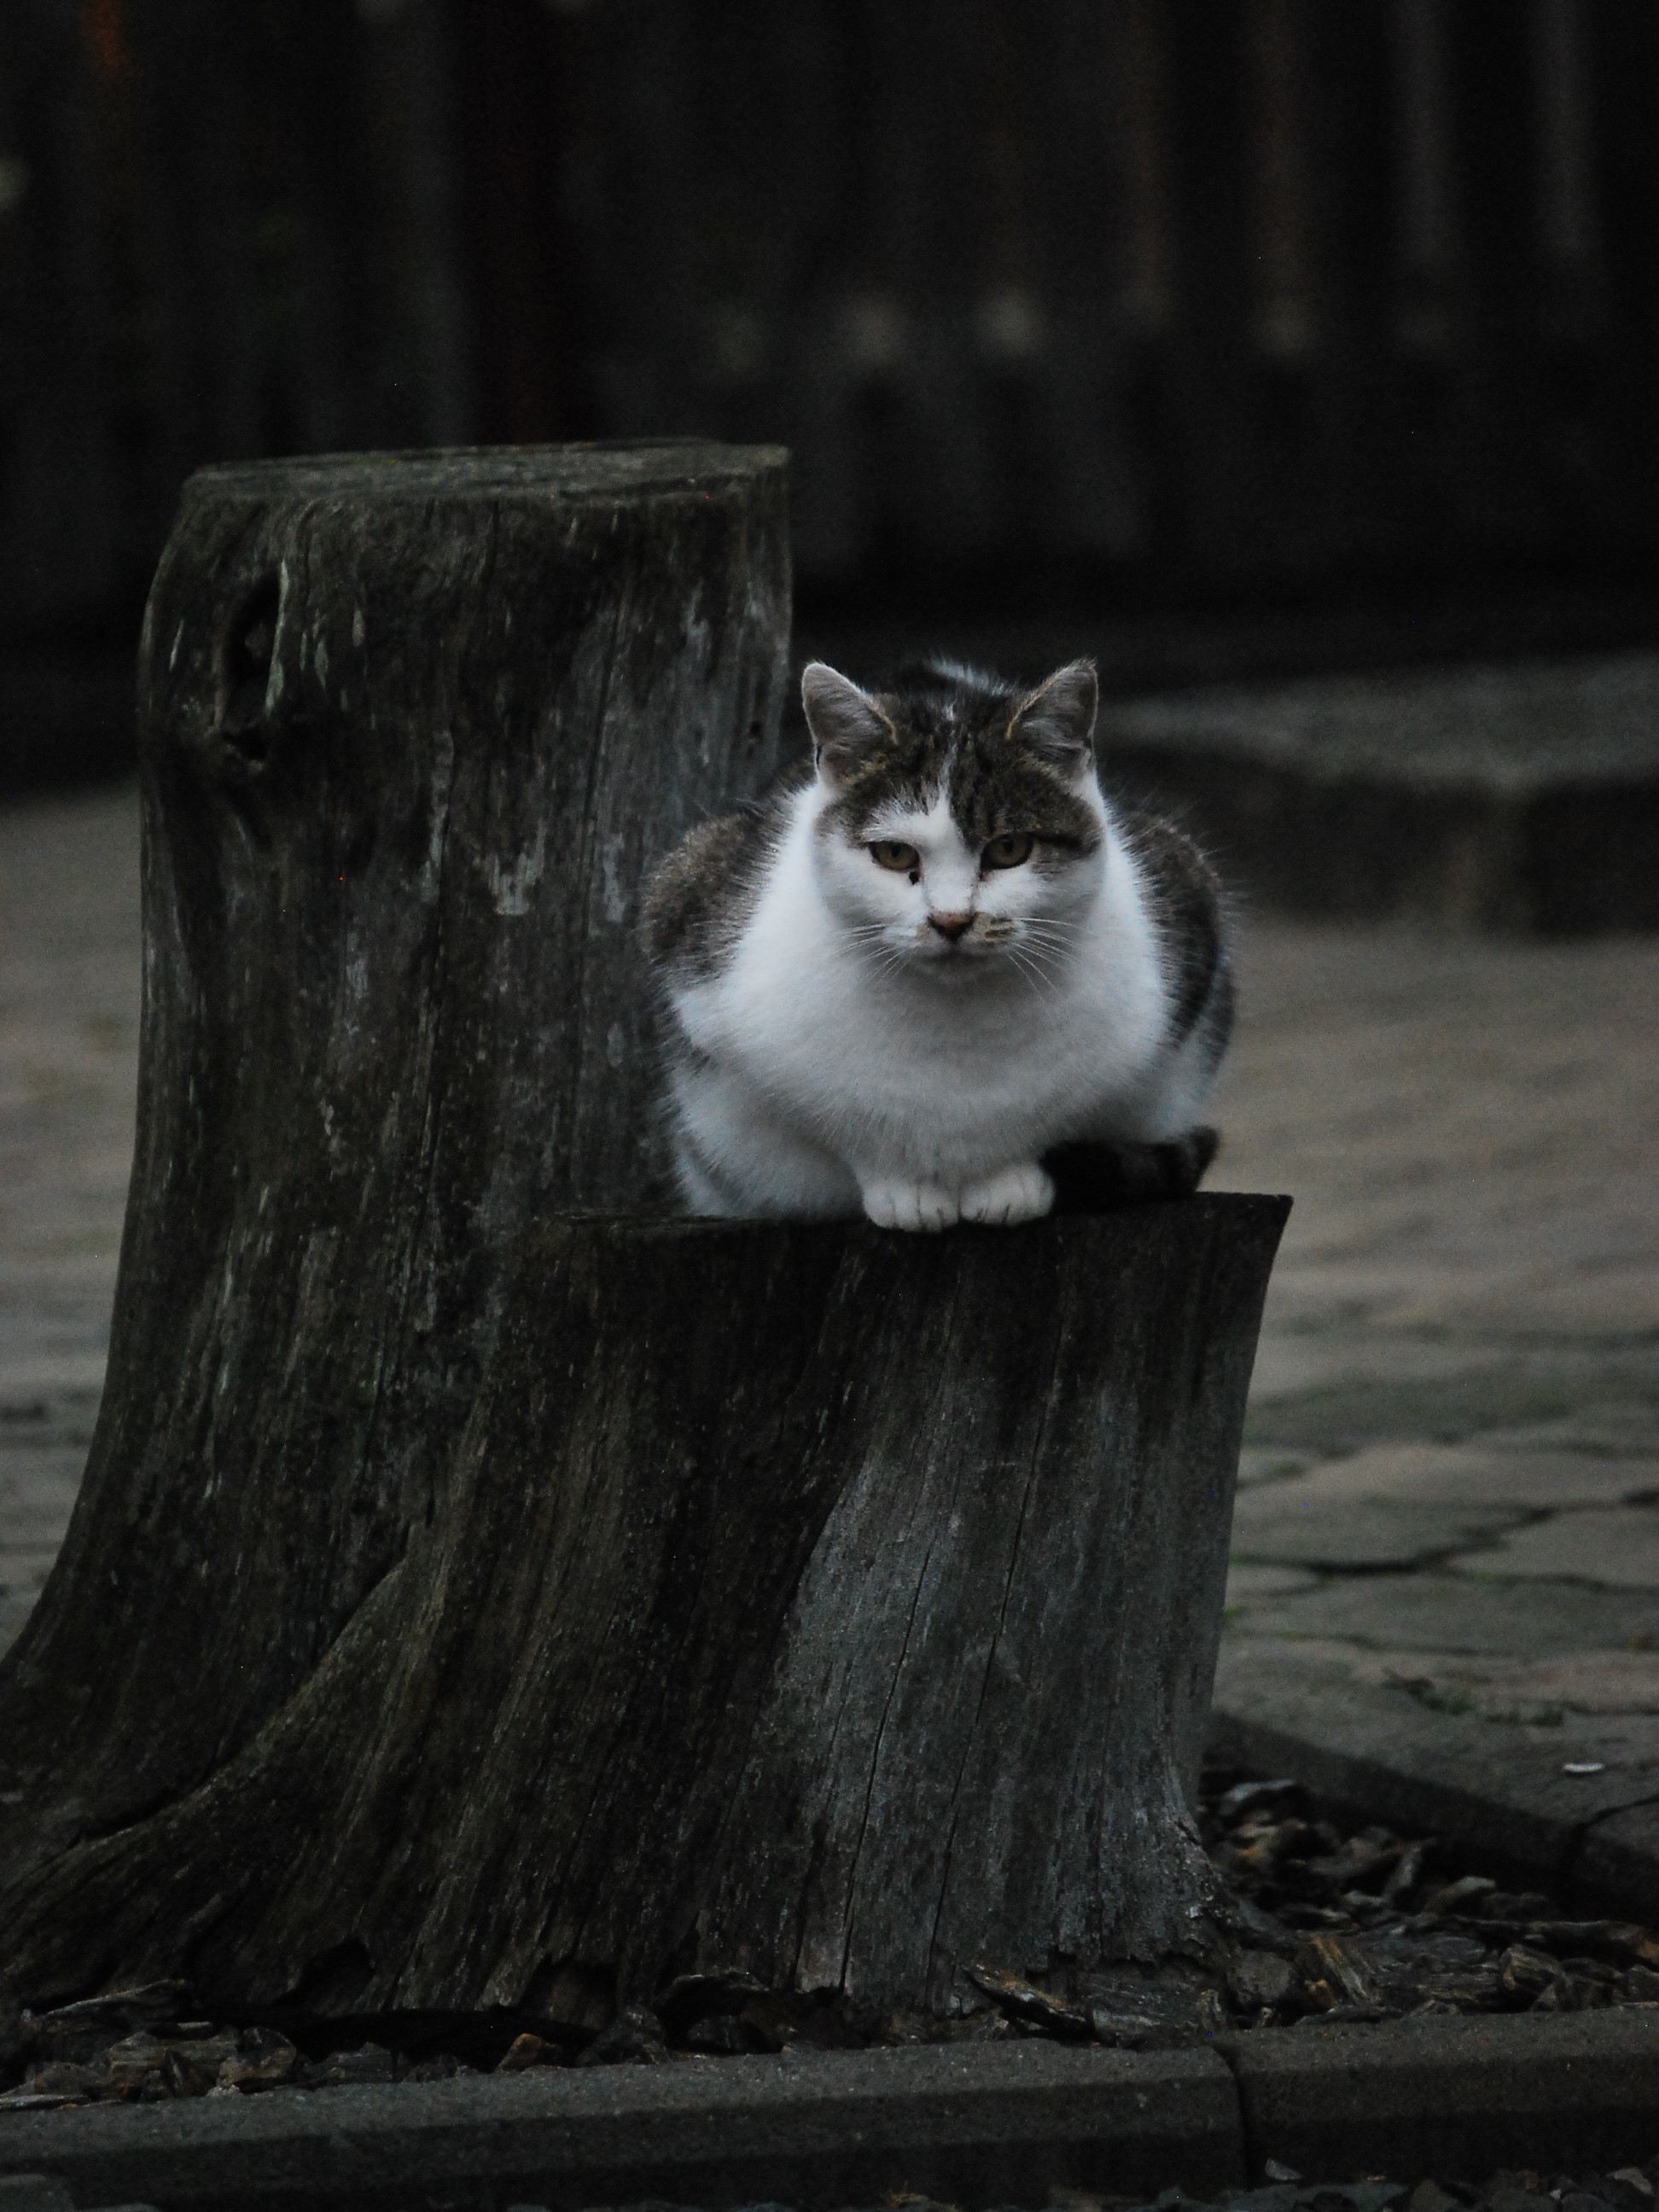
<point>1220,336</point>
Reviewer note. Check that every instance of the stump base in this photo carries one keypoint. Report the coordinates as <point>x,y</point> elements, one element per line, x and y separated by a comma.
<point>809,1604</point>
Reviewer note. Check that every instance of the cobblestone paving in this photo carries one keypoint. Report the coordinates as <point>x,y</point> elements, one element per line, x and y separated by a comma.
<point>1452,1471</point>
<point>68,1046</point>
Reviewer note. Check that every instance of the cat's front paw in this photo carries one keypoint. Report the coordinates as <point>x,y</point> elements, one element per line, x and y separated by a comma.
<point>1023,1192</point>
<point>917,1206</point>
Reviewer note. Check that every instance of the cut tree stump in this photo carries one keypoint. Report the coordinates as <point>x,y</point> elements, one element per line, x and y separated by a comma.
<point>482,1593</point>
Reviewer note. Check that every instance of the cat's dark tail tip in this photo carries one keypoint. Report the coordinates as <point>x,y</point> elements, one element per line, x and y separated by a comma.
<point>1095,1178</point>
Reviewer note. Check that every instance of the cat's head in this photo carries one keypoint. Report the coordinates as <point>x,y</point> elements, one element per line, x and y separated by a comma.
<point>961,826</point>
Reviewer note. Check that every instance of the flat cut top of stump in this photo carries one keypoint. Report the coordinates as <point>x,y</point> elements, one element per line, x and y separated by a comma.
<point>597,470</point>
<point>1513,730</point>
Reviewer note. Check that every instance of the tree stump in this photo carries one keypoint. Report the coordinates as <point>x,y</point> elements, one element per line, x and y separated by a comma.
<point>482,1592</point>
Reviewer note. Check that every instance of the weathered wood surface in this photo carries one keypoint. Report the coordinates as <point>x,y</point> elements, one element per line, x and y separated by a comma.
<point>483,1594</point>
<point>830,1606</point>
<point>412,730</point>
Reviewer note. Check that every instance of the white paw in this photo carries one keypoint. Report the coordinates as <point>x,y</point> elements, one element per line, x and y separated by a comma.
<point>895,1205</point>
<point>1023,1192</point>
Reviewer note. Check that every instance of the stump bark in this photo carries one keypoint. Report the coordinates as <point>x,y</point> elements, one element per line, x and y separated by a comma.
<point>482,1594</point>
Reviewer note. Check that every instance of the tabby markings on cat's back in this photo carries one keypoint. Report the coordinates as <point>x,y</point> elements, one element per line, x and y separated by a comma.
<point>914,971</point>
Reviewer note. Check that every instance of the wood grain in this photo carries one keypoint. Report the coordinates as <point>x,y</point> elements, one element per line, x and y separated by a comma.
<point>832,1607</point>
<point>485,1593</point>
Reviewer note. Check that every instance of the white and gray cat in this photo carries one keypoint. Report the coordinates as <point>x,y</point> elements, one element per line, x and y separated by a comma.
<point>941,971</point>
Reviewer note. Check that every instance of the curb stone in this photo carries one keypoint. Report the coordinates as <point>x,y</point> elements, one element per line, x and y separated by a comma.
<point>972,2125</point>
<point>1469,794</point>
<point>1506,1797</point>
<point>975,2125</point>
<point>1618,1857</point>
<point>38,2192</point>
<point>1451,2099</point>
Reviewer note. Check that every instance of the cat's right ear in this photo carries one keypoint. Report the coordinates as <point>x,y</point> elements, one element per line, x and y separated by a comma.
<point>844,722</point>
<point>1057,720</point>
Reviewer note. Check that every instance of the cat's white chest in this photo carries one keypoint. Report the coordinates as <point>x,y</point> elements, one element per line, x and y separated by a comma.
<point>940,1075</point>
<point>795,1008</point>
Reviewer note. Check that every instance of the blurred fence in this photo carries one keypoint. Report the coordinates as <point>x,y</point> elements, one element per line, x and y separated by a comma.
<point>1229,291</point>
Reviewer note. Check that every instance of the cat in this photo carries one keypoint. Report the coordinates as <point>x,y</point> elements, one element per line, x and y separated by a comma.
<point>940,976</point>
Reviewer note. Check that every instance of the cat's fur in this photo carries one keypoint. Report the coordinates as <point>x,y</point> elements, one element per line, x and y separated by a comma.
<point>916,1040</point>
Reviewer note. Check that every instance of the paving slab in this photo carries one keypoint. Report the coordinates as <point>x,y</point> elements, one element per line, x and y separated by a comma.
<point>965,2124</point>
<point>1295,1524</point>
<point>1250,1585</point>
<point>1609,1430</point>
<point>69,1035</point>
<point>1321,1399</point>
<point>1507,1690</point>
<point>1438,1612</point>
<point>1614,1549</point>
<point>1486,1476</point>
<point>1256,1464</point>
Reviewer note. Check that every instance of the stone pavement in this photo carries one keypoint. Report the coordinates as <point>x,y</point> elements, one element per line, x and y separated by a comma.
<point>1450,1506</point>
<point>68,1048</point>
<point>1447,1541</point>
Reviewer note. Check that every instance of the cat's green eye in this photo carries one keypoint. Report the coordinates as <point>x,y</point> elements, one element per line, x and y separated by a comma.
<point>1008,851</point>
<point>888,853</point>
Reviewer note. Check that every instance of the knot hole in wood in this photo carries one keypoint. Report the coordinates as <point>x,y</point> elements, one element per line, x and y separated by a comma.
<point>245,671</point>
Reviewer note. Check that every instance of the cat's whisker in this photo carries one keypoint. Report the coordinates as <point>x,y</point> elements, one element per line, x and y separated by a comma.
<point>1028,968</point>
<point>1050,931</point>
<point>889,961</point>
<point>1054,956</point>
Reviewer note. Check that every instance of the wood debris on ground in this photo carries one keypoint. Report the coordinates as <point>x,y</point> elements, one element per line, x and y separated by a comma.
<point>1320,1921</point>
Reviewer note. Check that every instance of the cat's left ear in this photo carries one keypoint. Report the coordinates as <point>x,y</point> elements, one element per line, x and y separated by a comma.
<point>844,722</point>
<point>1057,721</point>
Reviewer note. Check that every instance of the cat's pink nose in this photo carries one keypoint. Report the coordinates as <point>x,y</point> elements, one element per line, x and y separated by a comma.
<point>950,925</point>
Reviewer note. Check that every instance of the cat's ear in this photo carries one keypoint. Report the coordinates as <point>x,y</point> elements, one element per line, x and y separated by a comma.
<point>1057,721</point>
<point>844,722</point>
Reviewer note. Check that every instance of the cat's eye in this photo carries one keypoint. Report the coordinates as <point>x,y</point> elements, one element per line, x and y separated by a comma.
<point>888,853</point>
<point>1008,851</point>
